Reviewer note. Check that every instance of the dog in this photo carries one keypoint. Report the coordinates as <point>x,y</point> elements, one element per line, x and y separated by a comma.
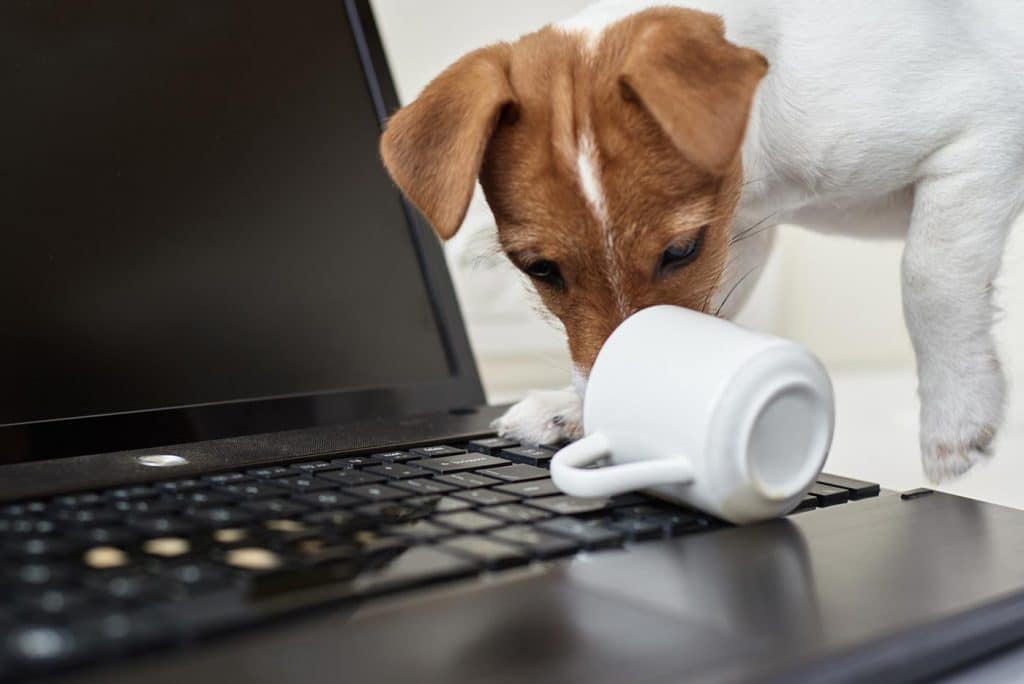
<point>641,153</point>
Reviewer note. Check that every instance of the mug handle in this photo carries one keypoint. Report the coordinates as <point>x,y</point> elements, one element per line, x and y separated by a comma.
<point>614,479</point>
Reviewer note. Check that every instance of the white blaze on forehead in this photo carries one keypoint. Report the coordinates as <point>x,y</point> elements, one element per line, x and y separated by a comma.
<point>590,180</point>
<point>579,380</point>
<point>588,167</point>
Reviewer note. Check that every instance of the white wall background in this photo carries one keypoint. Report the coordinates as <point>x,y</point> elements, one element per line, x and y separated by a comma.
<point>838,296</point>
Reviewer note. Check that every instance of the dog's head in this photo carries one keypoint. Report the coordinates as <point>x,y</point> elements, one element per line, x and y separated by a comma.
<point>611,162</point>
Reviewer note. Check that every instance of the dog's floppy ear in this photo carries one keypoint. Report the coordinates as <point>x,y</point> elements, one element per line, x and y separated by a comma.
<point>434,147</point>
<point>695,84</point>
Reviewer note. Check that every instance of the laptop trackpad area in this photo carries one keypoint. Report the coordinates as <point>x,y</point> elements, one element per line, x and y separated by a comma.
<point>541,626</point>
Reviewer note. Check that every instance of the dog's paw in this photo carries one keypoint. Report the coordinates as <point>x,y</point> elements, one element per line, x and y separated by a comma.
<point>543,417</point>
<point>944,461</point>
<point>959,421</point>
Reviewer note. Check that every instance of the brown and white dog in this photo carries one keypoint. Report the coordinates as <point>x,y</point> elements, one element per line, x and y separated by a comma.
<point>634,155</point>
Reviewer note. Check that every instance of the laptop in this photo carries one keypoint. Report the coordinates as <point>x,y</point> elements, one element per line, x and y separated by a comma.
<point>242,435</point>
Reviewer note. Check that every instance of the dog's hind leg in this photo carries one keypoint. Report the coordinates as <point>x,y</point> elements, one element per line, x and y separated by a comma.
<point>960,221</point>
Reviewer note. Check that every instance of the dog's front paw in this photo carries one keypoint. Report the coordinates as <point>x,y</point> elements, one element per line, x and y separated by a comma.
<point>543,417</point>
<point>959,421</point>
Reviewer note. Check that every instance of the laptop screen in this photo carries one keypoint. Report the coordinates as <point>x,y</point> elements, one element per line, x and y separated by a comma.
<point>194,212</point>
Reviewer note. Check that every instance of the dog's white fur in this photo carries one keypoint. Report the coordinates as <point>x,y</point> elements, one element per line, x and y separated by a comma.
<point>877,118</point>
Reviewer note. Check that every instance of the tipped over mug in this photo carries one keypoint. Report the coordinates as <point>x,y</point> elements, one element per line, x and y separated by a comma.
<point>700,411</point>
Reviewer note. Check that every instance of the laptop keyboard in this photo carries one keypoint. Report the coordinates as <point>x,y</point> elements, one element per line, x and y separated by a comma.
<point>96,575</point>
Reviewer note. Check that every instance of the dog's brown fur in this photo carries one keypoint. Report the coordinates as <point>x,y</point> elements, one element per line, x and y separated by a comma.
<point>663,97</point>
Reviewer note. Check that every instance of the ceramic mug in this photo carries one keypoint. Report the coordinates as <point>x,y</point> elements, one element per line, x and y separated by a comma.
<point>700,411</point>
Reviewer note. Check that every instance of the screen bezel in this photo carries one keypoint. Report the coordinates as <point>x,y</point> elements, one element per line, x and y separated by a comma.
<point>142,429</point>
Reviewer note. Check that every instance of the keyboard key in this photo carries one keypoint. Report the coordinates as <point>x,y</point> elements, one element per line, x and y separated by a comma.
<point>517,473</point>
<point>120,628</point>
<point>530,489</point>
<point>318,550</point>
<point>398,471</point>
<point>440,504</point>
<point>21,509</point>
<point>55,601</point>
<point>310,466</point>
<point>308,483</point>
<point>80,500</point>
<point>492,445</point>
<point>421,530</point>
<point>672,520</point>
<point>424,485</point>
<point>461,461</point>
<point>395,456</point>
<point>227,478</point>
<point>269,472</point>
<point>253,558</point>
<point>490,552</point>
<point>394,512</point>
<point>516,513</point>
<point>413,567</point>
<point>639,529</point>
<point>537,456</point>
<point>104,557</point>
<point>327,499</point>
<point>485,497</point>
<point>349,478</point>
<point>859,489</point>
<point>282,508</point>
<point>436,451</point>
<point>467,480</point>
<point>23,526</point>
<point>40,546</point>
<point>340,522</point>
<point>220,516</point>
<point>38,573</point>
<point>537,543</point>
<point>376,492</point>
<point>468,521</point>
<point>127,585</point>
<point>629,499</point>
<point>829,496</point>
<point>199,576</point>
<point>349,462</point>
<point>379,542</point>
<point>106,535</point>
<point>593,534</point>
<point>809,502</point>
<point>569,505</point>
<point>159,526</point>
<point>146,506</point>
<point>133,492</point>
<point>263,489</point>
<point>202,498</point>
<point>88,516</point>
<point>31,644</point>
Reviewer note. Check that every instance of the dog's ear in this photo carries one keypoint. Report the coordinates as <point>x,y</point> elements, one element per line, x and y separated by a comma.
<point>695,84</point>
<point>434,147</point>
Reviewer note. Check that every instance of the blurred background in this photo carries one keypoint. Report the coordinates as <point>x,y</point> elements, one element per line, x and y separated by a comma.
<point>838,296</point>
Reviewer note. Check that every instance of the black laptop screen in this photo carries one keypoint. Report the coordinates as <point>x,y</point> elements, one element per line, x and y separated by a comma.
<point>193,211</point>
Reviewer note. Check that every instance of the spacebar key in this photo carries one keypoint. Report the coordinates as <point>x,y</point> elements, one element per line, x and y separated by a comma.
<point>418,565</point>
<point>351,578</point>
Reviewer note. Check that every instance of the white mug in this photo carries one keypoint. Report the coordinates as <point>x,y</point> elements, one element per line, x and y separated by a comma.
<point>700,411</point>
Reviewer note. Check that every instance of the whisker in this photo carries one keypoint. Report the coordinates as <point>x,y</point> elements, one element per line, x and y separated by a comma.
<point>750,230</point>
<point>733,289</point>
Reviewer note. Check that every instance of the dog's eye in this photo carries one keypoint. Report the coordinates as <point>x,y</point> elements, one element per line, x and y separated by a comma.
<point>546,272</point>
<point>680,254</point>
